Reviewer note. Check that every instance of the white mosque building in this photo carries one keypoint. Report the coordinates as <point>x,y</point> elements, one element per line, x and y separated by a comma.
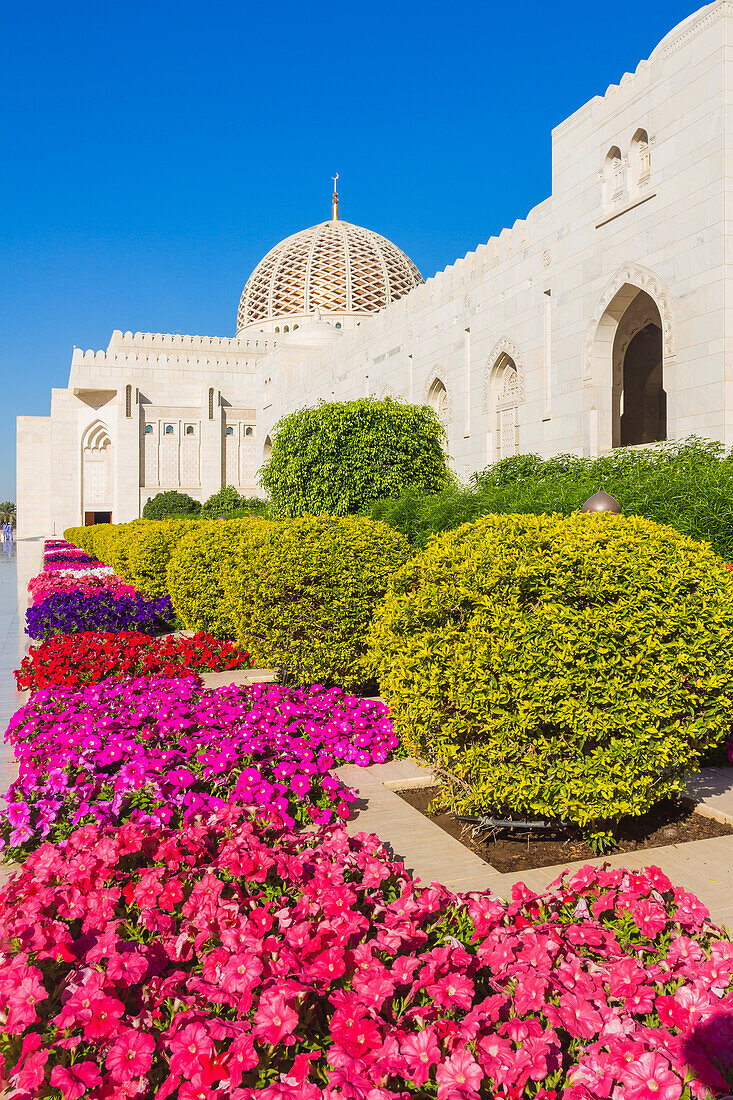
<point>603,319</point>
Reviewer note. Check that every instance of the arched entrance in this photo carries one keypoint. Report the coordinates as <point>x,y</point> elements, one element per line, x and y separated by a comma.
<point>628,368</point>
<point>639,398</point>
<point>97,474</point>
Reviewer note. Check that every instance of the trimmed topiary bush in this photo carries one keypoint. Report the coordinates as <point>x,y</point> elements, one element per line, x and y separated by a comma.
<point>170,505</point>
<point>576,668</point>
<point>198,567</point>
<point>339,456</point>
<point>113,542</point>
<point>148,552</point>
<point>304,597</point>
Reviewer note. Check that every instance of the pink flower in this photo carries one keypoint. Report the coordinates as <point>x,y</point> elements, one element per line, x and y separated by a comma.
<point>189,1048</point>
<point>105,1011</point>
<point>131,1055</point>
<point>651,1078</point>
<point>649,917</point>
<point>452,990</point>
<point>75,1081</point>
<point>458,1076</point>
<point>420,1052</point>
<point>274,1019</point>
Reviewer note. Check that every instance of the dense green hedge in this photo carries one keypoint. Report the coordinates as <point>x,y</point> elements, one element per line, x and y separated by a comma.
<point>688,485</point>
<point>198,568</point>
<point>335,458</point>
<point>303,592</point>
<point>573,667</point>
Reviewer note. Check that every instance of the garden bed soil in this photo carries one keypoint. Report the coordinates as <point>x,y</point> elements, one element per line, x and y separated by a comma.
<point>667,823</point>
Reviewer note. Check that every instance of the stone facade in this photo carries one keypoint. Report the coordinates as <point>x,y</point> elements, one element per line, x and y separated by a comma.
<point>603,318</point>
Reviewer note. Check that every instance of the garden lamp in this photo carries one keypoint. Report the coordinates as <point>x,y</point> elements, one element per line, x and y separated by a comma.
<point>602,502</point>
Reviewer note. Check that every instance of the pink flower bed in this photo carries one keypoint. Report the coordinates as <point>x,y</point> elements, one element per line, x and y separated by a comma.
<point>162,751</point>
<point>250,962</point>
<point>58,583</point>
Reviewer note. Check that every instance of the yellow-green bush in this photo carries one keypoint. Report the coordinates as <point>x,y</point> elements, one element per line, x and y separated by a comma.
<point>112,543</point>
<point>198,566</point>
<point>77,536</point>
<point>572,667</point>
<point>304,596</point>
<point>148,550</point>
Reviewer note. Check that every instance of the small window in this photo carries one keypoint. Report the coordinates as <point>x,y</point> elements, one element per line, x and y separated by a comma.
<point>338,324</point>
<point>128,401</point>
<point>190,429</point>
<point>294,327</point>
<point>211,404</point>
<point>148,429</point>
<point>287,328</point>
<point>169,429</point>
<point>230,431</point>
<point>249,431</point>
<point>640,155</point>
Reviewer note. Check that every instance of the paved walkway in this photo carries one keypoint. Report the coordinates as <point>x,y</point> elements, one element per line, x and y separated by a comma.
<point>703,866</point>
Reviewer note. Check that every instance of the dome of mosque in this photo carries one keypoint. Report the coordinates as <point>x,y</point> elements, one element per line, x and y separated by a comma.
<point>334,267</point>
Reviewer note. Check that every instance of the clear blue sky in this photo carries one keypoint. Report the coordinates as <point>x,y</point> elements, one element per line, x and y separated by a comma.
<point>155,151</point>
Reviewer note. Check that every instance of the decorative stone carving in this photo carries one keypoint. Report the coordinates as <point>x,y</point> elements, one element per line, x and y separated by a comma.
<point>503,349</point>
<point>640,277</point>
<point>437,395</point>
<point>546,258</point>
<point>466,301</point>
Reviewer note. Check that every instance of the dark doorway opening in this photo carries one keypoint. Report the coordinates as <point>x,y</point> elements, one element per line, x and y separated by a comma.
<point>91,518</point>
<point>644,416</point>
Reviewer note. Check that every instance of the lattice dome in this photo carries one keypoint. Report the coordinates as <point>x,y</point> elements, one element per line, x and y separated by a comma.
<point>334,267</point>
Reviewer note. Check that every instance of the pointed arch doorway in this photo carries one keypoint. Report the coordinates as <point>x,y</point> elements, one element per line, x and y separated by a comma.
<point>629,364</point>
<point>639,398</point>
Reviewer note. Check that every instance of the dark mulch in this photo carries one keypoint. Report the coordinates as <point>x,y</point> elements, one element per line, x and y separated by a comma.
<point>668,822</point>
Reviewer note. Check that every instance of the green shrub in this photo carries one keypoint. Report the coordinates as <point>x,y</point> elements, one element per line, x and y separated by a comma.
<point>149,551</point>
<point>304,597</point>
<point>688,485</point>
<point>113,544</point>
<point>170,505</point>
<point>339,456</point>
<point>227,502</point>
<point>575,667</point>
<point>77,536</point>
<point>197,569</point>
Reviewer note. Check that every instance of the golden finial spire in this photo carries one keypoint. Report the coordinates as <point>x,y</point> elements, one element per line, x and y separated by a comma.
<point>335,198</point>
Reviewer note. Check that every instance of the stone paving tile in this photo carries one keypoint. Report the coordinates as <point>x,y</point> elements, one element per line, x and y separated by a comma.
<point>704,867</point>
<point>238,676</point>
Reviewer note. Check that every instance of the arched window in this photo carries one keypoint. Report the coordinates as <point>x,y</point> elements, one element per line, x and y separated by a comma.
<point>613,175</point>
<point>286,328</point>
<point>249,431</point>
<point>338,324</point>
<point>230,431</point>
<point>169,429</point>
<point>640,156</point>
<point>190,429</point>
<point>506,388</point>
<point>267,449</point>
<point>438,399</point>
<point>148,429</point>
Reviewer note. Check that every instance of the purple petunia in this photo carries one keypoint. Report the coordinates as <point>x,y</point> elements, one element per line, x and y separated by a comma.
<point>71,612</point>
